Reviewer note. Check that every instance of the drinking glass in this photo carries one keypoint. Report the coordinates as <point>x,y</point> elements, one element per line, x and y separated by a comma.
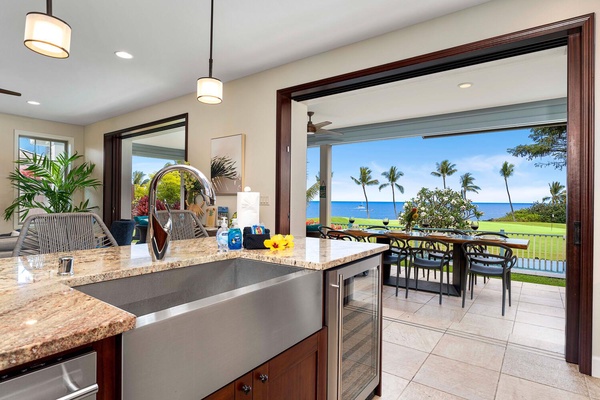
<point>474,225</point>
<point>386,221</point>
<point>351,223</point>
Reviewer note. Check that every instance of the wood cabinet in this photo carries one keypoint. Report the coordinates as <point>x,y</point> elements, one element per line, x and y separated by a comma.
<point>298,373</point>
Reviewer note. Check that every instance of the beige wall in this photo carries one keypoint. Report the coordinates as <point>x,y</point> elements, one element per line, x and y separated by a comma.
<point>8,125</point>
<point>249,105</point>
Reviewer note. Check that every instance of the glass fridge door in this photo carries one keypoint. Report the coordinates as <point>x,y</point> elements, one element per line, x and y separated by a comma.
<point>360,333</point>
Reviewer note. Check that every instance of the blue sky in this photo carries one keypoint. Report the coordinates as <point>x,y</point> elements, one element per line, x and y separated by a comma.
<point>480,154</point>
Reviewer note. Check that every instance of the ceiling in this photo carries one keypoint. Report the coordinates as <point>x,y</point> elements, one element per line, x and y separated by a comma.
<point>169,42</point>
<point>522,79</point>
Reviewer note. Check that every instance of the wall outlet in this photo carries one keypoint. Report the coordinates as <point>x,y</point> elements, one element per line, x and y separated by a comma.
<point>264,200</point>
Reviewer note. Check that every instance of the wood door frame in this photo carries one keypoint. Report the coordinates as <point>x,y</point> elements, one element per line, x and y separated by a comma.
<point>578,34</point>
<point>113,151</point>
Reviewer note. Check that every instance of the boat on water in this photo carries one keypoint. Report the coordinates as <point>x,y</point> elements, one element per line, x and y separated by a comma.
<point>360,207</point>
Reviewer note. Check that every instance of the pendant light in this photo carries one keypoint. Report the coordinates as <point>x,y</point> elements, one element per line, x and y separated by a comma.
<point>209,89</point>
<point>46,34</point>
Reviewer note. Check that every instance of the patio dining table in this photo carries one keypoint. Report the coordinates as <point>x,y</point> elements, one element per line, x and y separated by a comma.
<point>458,257</point>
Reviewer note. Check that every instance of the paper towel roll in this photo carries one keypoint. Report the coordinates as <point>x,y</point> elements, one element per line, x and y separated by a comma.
<point>248,207</point>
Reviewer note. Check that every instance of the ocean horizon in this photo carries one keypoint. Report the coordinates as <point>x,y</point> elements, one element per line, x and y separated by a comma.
<point>385,209</point>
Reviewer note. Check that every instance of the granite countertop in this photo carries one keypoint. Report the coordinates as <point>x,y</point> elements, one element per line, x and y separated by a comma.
<point>41,314</point>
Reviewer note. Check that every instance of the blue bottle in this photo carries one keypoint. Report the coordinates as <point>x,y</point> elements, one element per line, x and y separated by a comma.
<point>234,236</point>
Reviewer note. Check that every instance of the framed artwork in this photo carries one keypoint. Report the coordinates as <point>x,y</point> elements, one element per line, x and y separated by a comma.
<point>227,163</point>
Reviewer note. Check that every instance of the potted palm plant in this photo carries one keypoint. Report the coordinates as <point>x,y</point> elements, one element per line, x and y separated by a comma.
<point>49,185</point>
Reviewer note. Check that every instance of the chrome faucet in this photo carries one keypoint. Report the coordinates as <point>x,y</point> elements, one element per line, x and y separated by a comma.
<point>159,235</point>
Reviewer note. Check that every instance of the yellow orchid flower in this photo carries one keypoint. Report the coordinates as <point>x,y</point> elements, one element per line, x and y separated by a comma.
<point>279,242</point>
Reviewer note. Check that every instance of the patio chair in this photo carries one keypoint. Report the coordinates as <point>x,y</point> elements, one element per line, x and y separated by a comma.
<point>419,250</point>
<point>341,235</point>
<point>62,232</point>
<point>185,224</point>
<point>323,231</point>
<point>483,248</point>
<point>396,254</point>
<point>381,227</point>
<point>496,260</point>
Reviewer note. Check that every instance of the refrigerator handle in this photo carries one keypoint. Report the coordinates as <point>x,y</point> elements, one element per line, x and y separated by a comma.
<point>340,332</point>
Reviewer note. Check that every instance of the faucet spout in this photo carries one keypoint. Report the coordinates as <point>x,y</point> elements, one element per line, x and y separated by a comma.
<point>159,235</point>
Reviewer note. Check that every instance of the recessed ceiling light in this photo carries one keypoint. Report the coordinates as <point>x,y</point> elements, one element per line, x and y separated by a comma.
<point>33,103</point>
<point>465,85</point>
<point>123,54</point>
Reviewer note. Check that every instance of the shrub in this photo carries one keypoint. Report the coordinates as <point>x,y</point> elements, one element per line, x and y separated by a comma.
<point>441,208</point>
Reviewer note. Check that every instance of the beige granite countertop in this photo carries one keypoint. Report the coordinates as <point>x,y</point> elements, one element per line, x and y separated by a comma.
<point>41,314</point>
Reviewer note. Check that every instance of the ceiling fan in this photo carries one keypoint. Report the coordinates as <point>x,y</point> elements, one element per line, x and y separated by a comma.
<point>312,128</point>
<point>9,92</point>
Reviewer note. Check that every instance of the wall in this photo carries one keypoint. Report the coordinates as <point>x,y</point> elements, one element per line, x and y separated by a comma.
<point>249,105</point>
<point>8,125</point>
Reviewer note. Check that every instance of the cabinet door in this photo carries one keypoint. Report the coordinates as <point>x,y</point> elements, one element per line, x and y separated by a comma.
<point>299,373</point>
<point>243,387</point>
<point>225,393</point>
<point>260,382</point>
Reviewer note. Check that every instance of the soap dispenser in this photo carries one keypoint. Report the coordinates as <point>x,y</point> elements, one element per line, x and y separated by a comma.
<point>234,236</point>
<point>223,236</point>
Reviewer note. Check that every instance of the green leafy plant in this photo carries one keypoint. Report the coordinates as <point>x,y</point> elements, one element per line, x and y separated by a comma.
<point>441,208</point>
<point>49,184</point>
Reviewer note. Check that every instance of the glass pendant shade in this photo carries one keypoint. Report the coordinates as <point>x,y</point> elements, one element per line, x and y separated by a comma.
<point>210,90</point>
<point>47,35</point>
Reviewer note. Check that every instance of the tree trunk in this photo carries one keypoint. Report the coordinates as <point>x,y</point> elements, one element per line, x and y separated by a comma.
<point>366,200</point>
<point>444,180</point>
<point>394,201</point>
<point>512,211</point>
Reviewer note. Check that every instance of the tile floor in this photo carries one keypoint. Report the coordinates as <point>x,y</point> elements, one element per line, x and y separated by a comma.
<point>449,352</point>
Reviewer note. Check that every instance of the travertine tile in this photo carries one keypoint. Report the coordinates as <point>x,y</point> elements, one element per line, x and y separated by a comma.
<point>436,316</point>
<point>392,386</point>
<point>484,326</point>
<point>402,361</point>
<point>510,388</point>
<point>494,311</point>
<point>542,309</point>
<point>552,302</point>
<point>416,391</point>
<point>401,304</point>
<point>410,336</point>
<point>470,351</point>
<point>545,370</point>
<point>419,297</point>
<point>593,385</point>
<point>458,378</point>
<point>541,320</point>
<point>538,337</point>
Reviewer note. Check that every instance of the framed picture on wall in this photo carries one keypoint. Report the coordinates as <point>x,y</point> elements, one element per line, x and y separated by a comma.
<point>227,163</point>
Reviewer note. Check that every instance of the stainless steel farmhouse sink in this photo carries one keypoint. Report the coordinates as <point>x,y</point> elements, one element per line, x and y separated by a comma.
<point>202,326</point>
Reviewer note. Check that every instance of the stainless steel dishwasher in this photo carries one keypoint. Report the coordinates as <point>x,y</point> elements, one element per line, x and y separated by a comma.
<point>69,379</point>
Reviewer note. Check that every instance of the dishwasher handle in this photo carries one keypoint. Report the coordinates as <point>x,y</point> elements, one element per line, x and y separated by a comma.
<point>81,393</point>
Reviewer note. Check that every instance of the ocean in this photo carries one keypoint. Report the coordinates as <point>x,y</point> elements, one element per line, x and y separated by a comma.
<point>385,209</point>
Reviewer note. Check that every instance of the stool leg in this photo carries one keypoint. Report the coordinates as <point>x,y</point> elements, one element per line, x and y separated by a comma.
<point>441,284</point>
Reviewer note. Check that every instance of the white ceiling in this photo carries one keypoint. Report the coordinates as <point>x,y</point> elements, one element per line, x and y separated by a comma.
<point>169,40</point>
<point>522,79</point>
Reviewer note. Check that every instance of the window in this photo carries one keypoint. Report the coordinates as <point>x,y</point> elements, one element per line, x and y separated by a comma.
<point>41,146</point>
<point>29,143</point>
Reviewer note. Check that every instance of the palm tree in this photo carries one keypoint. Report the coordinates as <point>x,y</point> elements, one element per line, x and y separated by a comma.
<point>557,193</point>
<point>313,190</point>
<point>393,176</point>
<point>137,177</point>
<point>506,172</point>
<point>467,184</point>
<point>365,179</point>
<point>444,169</point>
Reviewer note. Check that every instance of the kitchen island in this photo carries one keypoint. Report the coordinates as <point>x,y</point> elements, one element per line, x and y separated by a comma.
<point>41,314</point>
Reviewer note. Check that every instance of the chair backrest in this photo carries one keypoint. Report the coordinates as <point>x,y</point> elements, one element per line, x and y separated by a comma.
<point>323,230</point>
<point>341,235</point>
<point>185,224</point>
<point>385,228</point>
<point>430,249</point>
<point>489,254</point>
<point>498,234</point>
<point>62,232</point>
